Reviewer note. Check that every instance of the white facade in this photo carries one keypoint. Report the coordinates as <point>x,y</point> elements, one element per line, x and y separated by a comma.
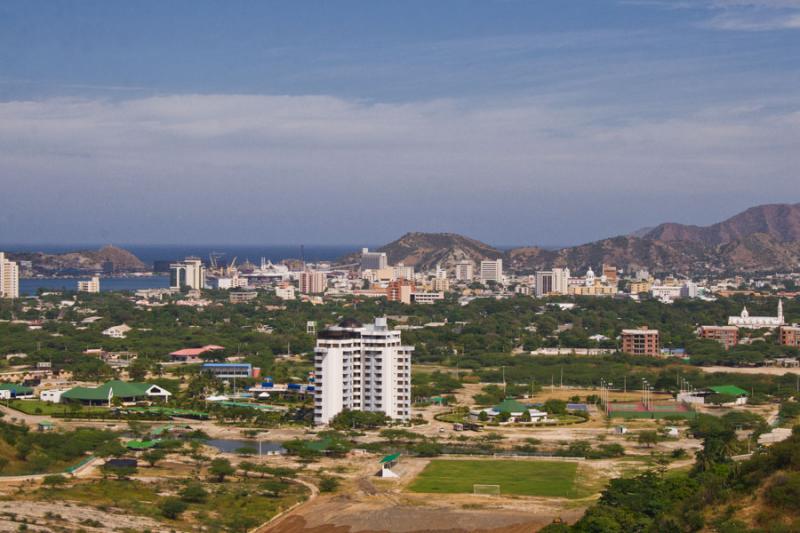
<point>373,260</point>
<point>188,273</point>
<point>362,368</point>
<point>285,292</point>
<point>9,278</point>
<point>554,281</point>
<point>427,297</point>
<point>465,271</point>
<point>744,320</point>
<point>52,396</point>
<point>492,271</point>
<point>117,332</point>
<point>93,285</point>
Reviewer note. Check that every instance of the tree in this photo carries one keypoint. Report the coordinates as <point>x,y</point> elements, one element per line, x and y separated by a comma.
<point>172,507</point>
<point>328,484</point>
<point>54,480</point>
<point>153,456</point>
<point>555,407</point>
<point>647,438</point>
<point>120,472</point>
<point>220,468</point>
<point>112,448</point>
<point>194,493</point>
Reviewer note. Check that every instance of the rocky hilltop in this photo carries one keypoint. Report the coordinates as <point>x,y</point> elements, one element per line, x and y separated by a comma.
<point>81,262</point>
<point>426,250</point>
<point>763,238</point>
<point>779,222</point>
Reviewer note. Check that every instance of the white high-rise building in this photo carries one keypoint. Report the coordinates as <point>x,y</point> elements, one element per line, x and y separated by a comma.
<point>554,281</point>
<point>188,273</point>
<point>465,271</point>
<point>9,278</point>
<point>361,368</point>
<point>492,271</point>
<point>93,285</point>
<point>373,260</point>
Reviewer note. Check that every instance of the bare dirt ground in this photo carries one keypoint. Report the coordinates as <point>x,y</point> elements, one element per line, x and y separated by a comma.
<point>369,504</point>
<point>60,516</point>
<point>767,370</point>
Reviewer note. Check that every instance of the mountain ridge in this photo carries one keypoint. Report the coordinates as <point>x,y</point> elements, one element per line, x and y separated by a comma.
<point>761,238</point>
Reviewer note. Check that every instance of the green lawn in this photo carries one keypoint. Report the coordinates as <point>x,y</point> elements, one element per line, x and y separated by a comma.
<point>38,407</point>
<point>527,478</point>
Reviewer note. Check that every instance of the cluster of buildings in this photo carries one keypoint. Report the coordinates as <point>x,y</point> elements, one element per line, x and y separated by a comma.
<point>374,276</point>
<point>729,336</point>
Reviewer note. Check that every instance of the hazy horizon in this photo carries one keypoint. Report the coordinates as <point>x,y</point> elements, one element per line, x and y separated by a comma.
<point>505,121</point>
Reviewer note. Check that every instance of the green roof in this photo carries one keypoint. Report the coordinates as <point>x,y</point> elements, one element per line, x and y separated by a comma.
<point>120,389</point>
<point>86,393</point>
<point>390,458</point>
<point>730,390</point>
<point>141,444</point>
<point>16,389</point>
<point>510,406</point>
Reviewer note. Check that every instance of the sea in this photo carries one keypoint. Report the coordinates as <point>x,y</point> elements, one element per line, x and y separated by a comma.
<point>150,254</point>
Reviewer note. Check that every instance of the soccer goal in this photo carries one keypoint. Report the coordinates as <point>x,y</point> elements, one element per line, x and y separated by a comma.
<point>486,490</point>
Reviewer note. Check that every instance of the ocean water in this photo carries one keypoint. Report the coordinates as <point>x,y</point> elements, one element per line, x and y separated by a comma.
<point>30,287</point>
<point>150,253</point>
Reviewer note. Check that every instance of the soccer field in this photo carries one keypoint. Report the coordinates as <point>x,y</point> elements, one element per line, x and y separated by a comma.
<point>527,478</point>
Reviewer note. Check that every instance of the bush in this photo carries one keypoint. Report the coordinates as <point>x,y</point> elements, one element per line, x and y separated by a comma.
<point>785,491</point>
<point>194,493</point>
<point>172,507</point>
<point>328,484</point>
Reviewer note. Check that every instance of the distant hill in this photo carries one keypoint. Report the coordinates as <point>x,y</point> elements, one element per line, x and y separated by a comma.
<point>781,222</point>
<point>763,238</point>
<point>86,261</point>
<point>426,250</point>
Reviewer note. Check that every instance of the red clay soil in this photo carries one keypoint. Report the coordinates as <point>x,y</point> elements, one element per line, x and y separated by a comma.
<point>296,524</point>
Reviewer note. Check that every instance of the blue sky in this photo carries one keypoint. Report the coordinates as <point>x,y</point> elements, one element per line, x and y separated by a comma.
<point>512,121</point>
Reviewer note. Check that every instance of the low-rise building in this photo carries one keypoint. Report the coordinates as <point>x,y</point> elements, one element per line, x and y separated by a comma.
<point>790,336</point>
<point>231,370</point>
<point>642,341</point>
<point>117,332</point>
<point>728,336</point>
<point>92,285</point>
<point>127,391</point>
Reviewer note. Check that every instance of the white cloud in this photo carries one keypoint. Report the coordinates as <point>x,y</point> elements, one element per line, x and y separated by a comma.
<point>738,15</point>
<point>304,158</point>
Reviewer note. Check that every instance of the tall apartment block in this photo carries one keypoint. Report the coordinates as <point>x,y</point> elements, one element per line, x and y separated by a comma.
<point>361,368</point>
<point>9,278</point>
<point>373,260</point>
<point>728,336</point>
<point>641,341</point>
<point>188,273</point>
<point>465,271</point>
<point>93,285</point>
<point>312,282</point>
<point>554,281</point>
<point>492,271</point>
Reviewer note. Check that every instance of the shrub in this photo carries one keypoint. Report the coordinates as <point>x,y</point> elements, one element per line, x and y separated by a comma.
<point>172,507</point>
<point>328,484</point>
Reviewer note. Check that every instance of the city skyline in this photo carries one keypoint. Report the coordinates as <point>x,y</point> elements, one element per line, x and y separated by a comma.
<point>510,122</point>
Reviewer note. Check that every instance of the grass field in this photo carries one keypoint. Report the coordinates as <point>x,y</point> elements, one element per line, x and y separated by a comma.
<point>526,478</point>
<point>38,407</point>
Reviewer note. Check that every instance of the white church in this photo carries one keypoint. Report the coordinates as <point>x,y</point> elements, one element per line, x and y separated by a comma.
<point>744,320</point>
